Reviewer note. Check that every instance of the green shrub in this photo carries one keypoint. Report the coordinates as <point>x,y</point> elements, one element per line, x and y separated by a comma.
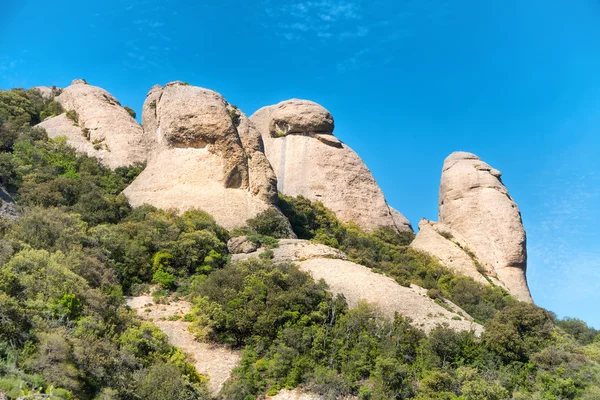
<point>130,111</point>
<point>270,223</point>
<point>164,279</point>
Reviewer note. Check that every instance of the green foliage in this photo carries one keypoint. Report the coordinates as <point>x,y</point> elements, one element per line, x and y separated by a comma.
<point>164,279</point>
<point>234,114</point>
<point>72,115</point>
<point>269,297</point>
<point>130,111</point>
<point>578,329</point>
<point>270,223</point>
<point>518,331</point>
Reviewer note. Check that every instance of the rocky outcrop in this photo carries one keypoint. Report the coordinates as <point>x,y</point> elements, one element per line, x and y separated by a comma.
<point>479,221</point>
<point>203,153</point>
<point>95,123</point>
<point>241,245</point>
<point>358,283</point>
<point>8,206</point>
<point>309,161</point>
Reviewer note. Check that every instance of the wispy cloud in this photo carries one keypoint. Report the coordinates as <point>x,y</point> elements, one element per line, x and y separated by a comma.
<point>560,247</point>
<point>323,19</point>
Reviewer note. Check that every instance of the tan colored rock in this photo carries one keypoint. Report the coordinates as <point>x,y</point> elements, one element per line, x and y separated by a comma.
<point>197,157</point>
<point>48,92</point>
<point>358,283</point>
<point>445,245</point>
<point>103,128</point>
<point>475,207</point>
<point>309,161</point>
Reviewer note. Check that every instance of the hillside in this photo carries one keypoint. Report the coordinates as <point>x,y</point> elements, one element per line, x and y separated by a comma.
<point>206,254</point>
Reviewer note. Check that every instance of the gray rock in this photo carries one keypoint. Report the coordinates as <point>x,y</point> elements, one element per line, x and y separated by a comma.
<point>241,245</point>
<point>8,206</point>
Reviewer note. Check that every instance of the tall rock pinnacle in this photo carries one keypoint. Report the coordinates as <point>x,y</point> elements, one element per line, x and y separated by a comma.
<point>480,232</point>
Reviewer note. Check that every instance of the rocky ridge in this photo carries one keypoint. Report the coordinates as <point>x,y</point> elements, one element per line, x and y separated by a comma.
<point>358,283</point>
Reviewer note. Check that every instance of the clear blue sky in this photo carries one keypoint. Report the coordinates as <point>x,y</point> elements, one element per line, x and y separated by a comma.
<point>408,82</point>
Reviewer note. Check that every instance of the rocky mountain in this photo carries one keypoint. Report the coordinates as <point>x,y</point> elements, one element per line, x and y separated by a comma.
<point>310,161</point>
<point>229,302</point>
<point>480,232</point>
<point>202,152</point>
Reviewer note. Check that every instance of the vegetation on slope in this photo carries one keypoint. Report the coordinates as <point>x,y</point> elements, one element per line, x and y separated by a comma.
<point>78,246</point>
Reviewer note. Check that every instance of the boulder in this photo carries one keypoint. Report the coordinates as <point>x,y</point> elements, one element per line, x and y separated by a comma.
<point>98,125</point>
<point>358,283</point>
<point>241,245</point>
<point>203,153</point>
<point>309,161</point>
<point>8,206</point>
<point>479,213</point>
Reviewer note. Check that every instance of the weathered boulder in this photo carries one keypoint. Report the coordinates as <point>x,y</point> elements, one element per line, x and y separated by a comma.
<point>359,283</point>
<point>309,161</point>
<point>203,153</point>
<point>97,125</point>
<point>241,245</point>
<point>476,209</point>
<point>8,206</point>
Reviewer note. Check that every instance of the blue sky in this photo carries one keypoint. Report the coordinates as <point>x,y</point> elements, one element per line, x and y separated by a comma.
<point>408,82</point>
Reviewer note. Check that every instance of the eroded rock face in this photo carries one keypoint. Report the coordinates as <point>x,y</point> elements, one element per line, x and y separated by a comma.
<point>203,153</point>
<point>479,214</point>
<point>309,161</point>
<point>358,283</point>
<point>101,127</point>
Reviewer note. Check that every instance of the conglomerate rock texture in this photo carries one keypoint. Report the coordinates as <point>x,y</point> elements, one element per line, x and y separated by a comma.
<point>478,221</point>
<point>203,153</point>
<point>309,161</point>
<point>99,127</point>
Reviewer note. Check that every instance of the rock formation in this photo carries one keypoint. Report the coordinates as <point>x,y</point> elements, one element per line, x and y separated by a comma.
<point>8,206</point>
<point>241,245</point>
<point>203,153</point>
<point>480,222</point>
<point>310,161</point>
<point>48,92</point>
<point>359,283</point>
<point>95,123</point>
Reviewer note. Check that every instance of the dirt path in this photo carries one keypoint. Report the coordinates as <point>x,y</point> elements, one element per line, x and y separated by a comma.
<point>212,360</point>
